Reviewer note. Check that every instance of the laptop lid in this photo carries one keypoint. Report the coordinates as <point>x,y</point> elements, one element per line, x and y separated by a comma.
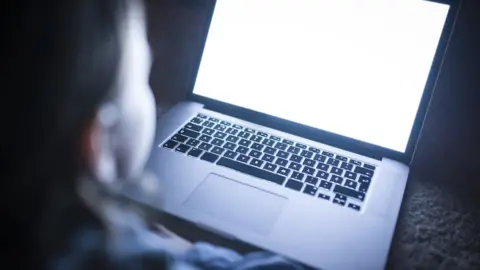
<point>353,74</point>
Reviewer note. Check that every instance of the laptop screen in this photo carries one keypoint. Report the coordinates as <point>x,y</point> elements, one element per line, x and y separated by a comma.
<point>357,68</point>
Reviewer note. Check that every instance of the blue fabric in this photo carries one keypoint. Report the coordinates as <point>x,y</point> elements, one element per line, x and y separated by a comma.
<point>207,256</point>
<point>136,247</point>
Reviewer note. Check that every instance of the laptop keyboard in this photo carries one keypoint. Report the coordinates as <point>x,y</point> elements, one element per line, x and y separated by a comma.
<point>312,171</point>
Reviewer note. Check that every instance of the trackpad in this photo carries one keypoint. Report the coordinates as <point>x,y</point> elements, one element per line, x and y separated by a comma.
<point>236,203</point>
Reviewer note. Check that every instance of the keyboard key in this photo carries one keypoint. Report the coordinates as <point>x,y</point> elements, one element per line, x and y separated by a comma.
<point>363,171</point>
<point>364,179</point>
<point>209,157</point>
<point>311,180</point>
<point>269,150</point>
<point>255,154</point>
<point>249,130</point>
<point>293,150</point>
<point>351,184</point>
<point>282,154</point>
<point>220,127</point>
<point>182,148</point>
<point>346,166</point>
<point>302,146</point>
<point>232,139</point>
<point>170,144</point>
<point>364,187</point>
<point>196,120</point>
<point>306,154</point>
<point>354,206</point>
<point>308,170</point>
<point>285,141</point>
<point>205,138</point>
<point>320,158</point>
<point>256,138</point>
<point>355,162</point>
<point>326,185</point>
<point>180,138</point>
<point>244,134</point>
<point>195,152</point>
<point>370,167</point>
<point>268,142</point>
<point>237,126</point>
<point>217,142</point>
<point>333,162</point>
<point>225,123</point>
<point>268,158</point>
<point>218,150</point>
<point>208,124</point>
<point>297,176</point>
<point>328,154</point>
<point>295,166</point>
<point>281,162</point>
<point>230,146</point>
<point>208,131</point>
<point>257,146</point>
<point>349,192</point>
<point>189,133</point>
<point>263,134</point>
<point>296,158</point>
<point>283,171</point>
<point>336,171</point>
<point>202,116</point>
<point>339,200</point>
<point>309,162</point>
<point>250,170</point>
<point>281,146</point>
<point>295,185</point>
<point>323,175</point>
<point>232,131</point>
<point>220,135</point>
<point>310,190</point>
<point>244,142</point>
<point>256,162</point>
<point>323,167</point>
<point>314,150</point>
<point>275,138</point>
<point>351,175</point>
<point>323,196</point>
<point>364,183</point>
<point>243,158</point>
<point>242,150</point>
<point>341,158</point>
<point>336,179</point>
<point>270,167</point>
<point>215,120</point>
<point>205,146</point>
<point>193,142</point>
<point>193,127</point>
<point>230,154</point>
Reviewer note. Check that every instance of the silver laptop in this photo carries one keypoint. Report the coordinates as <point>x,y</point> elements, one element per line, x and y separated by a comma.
<point>301,123</point>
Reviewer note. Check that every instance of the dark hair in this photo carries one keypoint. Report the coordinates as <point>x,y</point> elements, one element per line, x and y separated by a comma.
<point>59,64</point>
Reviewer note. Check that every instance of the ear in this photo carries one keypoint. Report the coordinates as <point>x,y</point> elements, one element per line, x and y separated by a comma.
<point>97,151</point>
<point>89,143</point>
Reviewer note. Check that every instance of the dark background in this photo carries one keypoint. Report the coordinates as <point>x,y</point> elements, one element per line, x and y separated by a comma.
<point>445,180</point>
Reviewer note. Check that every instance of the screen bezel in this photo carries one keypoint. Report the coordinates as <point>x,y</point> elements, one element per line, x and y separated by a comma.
<point>326,137</point>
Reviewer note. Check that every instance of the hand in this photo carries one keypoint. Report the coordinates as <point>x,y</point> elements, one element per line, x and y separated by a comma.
<point>178,244</point>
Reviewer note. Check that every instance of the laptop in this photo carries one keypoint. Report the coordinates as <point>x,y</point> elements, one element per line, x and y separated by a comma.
<point>302,119</point>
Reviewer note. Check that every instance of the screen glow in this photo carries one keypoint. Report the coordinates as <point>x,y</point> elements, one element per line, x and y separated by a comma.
<point>356,68</point>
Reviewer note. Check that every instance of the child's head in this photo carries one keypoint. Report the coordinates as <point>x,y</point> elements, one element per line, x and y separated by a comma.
<point>76,96</point>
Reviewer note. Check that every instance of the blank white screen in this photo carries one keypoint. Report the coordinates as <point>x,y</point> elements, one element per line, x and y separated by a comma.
<point>352,67</point>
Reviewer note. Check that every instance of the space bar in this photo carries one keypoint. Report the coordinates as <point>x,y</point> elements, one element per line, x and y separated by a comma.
<point>244,168</point>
